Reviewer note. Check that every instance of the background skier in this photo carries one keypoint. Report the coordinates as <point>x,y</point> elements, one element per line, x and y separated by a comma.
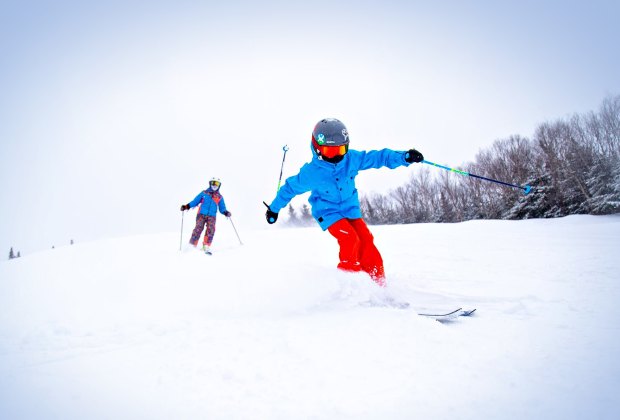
<point>210,201</point>
<point>330,176</point>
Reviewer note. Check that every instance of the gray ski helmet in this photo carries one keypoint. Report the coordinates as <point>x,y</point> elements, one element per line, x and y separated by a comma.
<point>330,132</point>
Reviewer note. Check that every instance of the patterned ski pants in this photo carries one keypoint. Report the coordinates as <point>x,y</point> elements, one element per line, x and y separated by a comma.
<point>202,221</point>
<point>357,249</point>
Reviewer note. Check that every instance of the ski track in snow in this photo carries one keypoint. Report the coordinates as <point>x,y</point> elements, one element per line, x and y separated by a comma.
<point>133,328</point>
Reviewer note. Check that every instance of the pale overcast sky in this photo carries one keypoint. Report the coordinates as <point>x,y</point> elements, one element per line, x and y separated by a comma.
<point>114,113</point>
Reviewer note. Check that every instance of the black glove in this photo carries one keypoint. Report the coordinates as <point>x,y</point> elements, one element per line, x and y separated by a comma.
<point>413,156</point>
<point>185,207</point>
<point>270,215</point>
<point>228,214</point>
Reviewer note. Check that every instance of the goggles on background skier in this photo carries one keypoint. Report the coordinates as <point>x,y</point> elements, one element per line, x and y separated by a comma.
<point>215,183</point>
<point>330,151</point>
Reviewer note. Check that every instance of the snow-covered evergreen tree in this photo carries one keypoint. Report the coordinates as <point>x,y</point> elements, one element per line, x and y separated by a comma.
<point>292,216</point>
<point>305,217</point>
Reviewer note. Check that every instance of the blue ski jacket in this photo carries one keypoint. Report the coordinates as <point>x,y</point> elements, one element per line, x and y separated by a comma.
<point>210,201</point>
<point>334,195</point>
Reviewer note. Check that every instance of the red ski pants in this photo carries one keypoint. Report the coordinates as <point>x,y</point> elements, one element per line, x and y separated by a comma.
<point>203,221</point>
<point>357,249</point>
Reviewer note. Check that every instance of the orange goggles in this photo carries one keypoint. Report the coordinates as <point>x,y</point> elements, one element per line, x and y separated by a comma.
<point>331,151</point>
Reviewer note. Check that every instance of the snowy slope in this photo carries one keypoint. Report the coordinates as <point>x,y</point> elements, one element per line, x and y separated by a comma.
<point>132,328</point>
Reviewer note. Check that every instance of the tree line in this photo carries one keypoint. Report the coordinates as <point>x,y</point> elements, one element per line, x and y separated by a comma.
<point>572,165</point>
<point>13,255</point>
<point>300,218</point>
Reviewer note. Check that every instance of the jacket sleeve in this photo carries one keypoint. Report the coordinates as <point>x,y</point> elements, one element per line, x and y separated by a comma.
<point>381,158</point>
<point>196,200</point>
<point>222,206</point>
<point>293,186</point>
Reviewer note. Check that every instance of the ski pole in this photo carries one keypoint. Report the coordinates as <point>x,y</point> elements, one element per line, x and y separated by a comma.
<point>181,242</point>
<point>233,225</point>
<point>526,189</point>
<point>285,148</point>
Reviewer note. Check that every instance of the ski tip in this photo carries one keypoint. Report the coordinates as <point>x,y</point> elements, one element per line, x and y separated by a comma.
<point>454,312</point>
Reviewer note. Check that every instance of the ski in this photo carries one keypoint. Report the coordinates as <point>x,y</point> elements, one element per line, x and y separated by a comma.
<point>391,303</point>
<point>450,316</point>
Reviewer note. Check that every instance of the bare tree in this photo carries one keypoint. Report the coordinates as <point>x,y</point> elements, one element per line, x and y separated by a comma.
<point>378,209</point>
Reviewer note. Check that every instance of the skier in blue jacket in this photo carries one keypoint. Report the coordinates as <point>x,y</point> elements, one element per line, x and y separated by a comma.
<point>210,201</point>
<point>330,177</point>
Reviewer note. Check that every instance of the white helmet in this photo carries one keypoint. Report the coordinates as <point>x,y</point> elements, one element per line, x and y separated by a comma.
<point>215,183</point>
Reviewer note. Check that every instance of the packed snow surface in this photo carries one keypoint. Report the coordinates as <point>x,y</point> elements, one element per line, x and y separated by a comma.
<point>134,328</point>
